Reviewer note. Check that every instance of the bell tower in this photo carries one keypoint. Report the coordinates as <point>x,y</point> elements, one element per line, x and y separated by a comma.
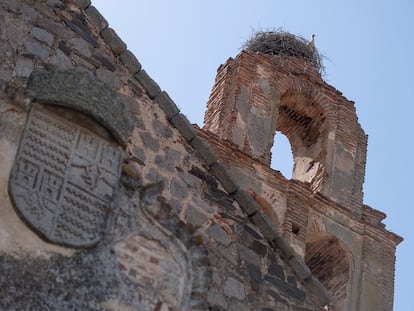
<point>275,84</point>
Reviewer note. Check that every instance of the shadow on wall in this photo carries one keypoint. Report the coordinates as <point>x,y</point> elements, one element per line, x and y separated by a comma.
<point>329,261</point>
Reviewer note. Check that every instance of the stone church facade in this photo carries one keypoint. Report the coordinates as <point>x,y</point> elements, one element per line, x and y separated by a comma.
<point>111,200</point>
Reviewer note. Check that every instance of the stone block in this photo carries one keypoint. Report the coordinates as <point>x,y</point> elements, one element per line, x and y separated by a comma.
<point>13,5</point>
<point>162,128</point>
<point>217,234</point>
<point>42,35</point>
<point>195,217</point>
<point>184,126</point>
<point>318,290</point>
<point>299,267</point>
<point>111,38</point>
<point>82,91</point>
<point>266,226</point>
<point>149,141</point>
<point>283,246</point>
<point>277,270</point>
<point>247,255</point>
<point>238,306</point>
<point>255,273</point>
<point>109,77</point>
<point>204,150</point>
<point>96,18</point>
<point>167,105</point>
<point>259,248</point>
<point>61,60</point>
<point>234,288</point>
<point>130,61</point>
<point>149,84</point>
<point>287,289</point>
<point>229,254</point>
<point>105,62</point>
<point>29,13</point>
<point>178,189</point>
<point>36,49</point>
<point>214,297</point>
<point>252,232</point>
<point>246,202</point>
<point>24,67</point>
<point>225,177</point>
<point>83,4</point>
<point>80,45</point>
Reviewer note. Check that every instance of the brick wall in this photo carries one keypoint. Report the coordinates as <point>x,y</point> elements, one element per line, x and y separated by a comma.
<point>255,95</point>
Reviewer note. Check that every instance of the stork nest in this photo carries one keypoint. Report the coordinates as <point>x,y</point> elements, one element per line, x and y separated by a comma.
<point>282,43</point>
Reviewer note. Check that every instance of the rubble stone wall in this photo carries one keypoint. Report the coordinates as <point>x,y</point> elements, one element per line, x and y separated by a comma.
<point>175,237</point>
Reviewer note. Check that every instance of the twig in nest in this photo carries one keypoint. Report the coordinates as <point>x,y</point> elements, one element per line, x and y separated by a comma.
<point>282,43</point>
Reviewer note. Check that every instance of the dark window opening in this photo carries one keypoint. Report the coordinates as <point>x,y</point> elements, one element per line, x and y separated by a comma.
<point>295,229</point>
<point>329,262</point>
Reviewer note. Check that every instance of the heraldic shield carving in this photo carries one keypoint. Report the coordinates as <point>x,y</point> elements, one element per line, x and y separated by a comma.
<point>64,178</point>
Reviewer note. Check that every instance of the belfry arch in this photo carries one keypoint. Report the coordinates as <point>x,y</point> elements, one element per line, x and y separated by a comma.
<point>300,119</point>
<point>263,91</point>
<point>254,96</point>
<point>281,155</point>
<point>330,261</point>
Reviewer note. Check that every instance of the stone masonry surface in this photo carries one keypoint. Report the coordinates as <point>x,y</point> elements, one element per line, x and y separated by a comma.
<point>190,231</point>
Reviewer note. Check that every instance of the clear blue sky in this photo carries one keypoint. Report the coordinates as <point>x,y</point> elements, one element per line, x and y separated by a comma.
<point>370,49</point>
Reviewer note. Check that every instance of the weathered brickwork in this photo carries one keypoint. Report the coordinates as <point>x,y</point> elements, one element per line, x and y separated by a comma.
<point>193,222</point>
<point>320,210</point>
<point>255,95</point>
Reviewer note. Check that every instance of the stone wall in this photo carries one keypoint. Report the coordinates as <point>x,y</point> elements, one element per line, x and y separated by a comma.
<point>177,232</point>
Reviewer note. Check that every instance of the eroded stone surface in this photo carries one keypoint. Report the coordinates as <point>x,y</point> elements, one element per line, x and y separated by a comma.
<point>63,179</point>
<point>79,90</point>
<point>190,221</point>
<point>234,288</point>
<point>152,266</point>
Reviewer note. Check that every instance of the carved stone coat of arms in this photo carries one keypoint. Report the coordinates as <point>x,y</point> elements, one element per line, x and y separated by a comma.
<point>64,178</point>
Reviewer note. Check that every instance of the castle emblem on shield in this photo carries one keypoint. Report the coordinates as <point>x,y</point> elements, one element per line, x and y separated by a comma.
<point>63,179</point>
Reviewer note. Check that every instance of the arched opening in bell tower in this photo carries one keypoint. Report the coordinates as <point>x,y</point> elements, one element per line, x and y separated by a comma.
<point>300,119</point>
<point>329,261</point>
<point>281,155</point>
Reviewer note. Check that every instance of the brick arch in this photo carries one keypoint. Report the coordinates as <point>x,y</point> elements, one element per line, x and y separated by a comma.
<point>340,147</point>
<point>313,92</point>
<point>343,149</point>
<point>301,120</point>
<point>331,262</point>
<point>256,95</point>
<point>306,117</point>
